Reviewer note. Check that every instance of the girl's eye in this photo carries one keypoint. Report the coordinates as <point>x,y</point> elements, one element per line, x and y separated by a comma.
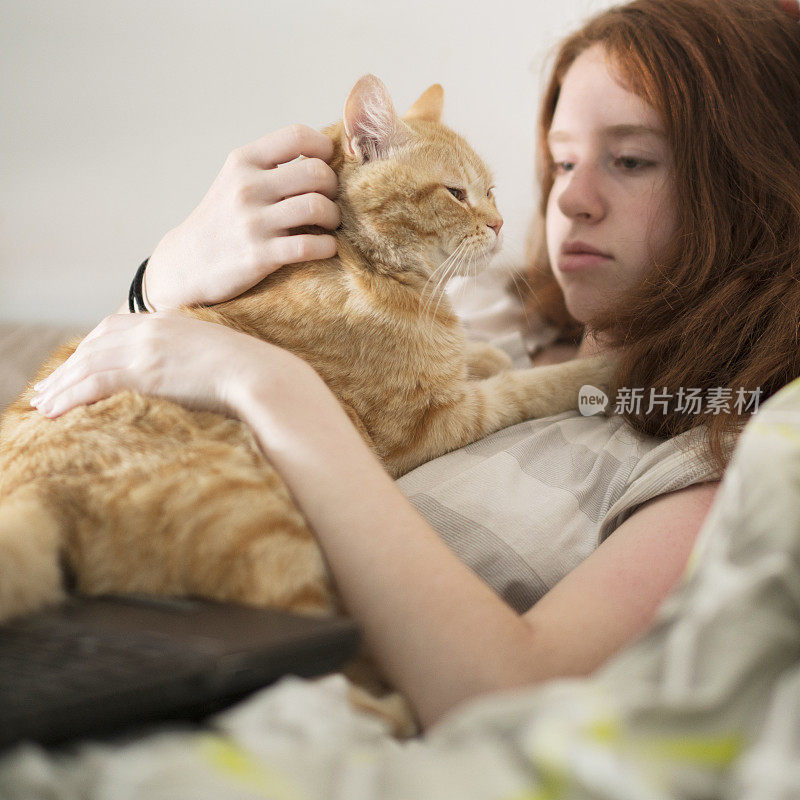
<point>459,194</point>
<point>628,164</point>
<point>631,164</point>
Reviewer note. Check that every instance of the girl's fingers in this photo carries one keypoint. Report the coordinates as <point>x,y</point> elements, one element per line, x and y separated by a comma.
<point>301,247</point>
<point>307,209</point>
<point>55,376</point>
<point>92,342</point>
<point>113,331</point>
<point>285,145</point>
<point>299,177</point>
<point>94,361</point>
<point>95,387</point>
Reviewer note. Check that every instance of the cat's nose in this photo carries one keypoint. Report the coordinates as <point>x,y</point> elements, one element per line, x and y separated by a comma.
<point>496,225</point>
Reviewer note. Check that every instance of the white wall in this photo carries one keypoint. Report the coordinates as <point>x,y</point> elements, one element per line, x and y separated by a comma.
<point>116,115</point>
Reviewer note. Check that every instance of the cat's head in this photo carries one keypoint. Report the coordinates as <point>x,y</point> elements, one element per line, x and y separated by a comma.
<point>413,194</point>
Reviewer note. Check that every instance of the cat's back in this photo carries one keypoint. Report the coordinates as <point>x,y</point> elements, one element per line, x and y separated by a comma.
<point>124,437</point>
<point>351,321</point>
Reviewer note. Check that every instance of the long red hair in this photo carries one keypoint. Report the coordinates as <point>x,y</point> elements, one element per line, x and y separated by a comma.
<point>720,306</point>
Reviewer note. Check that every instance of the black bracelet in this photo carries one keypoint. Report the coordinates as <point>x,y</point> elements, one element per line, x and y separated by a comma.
<point>135,299</point>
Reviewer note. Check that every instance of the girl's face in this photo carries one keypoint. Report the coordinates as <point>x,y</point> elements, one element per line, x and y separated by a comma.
<point>612,189</point>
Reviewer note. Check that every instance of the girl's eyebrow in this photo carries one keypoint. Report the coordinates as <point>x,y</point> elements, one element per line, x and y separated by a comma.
<point>611,132</point>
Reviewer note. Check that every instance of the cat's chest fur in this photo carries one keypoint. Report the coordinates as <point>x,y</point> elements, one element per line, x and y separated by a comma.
<point>386,350</point>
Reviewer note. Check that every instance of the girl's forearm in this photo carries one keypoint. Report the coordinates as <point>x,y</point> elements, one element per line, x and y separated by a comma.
<point>441,635</point>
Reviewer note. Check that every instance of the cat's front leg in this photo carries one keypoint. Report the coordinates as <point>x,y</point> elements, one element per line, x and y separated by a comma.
<point>485,406</point>
<point>483,360</point>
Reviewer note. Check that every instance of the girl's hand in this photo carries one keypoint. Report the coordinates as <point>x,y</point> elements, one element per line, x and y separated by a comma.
<point>239,232</point>
<point>201,365</point>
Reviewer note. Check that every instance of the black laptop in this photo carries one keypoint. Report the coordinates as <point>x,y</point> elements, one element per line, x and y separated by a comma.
<point>96,666</point>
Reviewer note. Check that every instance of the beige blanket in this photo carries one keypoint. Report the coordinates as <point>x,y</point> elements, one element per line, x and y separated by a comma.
<point>23,347</point>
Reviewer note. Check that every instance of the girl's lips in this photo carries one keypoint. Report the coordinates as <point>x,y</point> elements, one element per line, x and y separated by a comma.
<point>573,262</point>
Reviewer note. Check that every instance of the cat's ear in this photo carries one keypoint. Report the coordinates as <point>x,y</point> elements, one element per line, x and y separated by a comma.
<point>429,105</point>
<point>371,125</point>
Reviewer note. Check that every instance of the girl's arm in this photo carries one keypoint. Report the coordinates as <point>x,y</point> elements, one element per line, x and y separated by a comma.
<point>441,635</point>
<point>239,233</point>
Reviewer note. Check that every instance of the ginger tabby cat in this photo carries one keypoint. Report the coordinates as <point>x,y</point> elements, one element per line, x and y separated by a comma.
<point>138,494</point>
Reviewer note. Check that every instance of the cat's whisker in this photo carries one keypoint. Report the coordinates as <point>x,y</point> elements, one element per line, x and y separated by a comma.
<point>442,288</point>
<point>440,267</point>
<point>514,264</point>
<point>438,287</point>
<point>453,269</point>
<point>429,289</point>
<point>472,268</point>
<point>522,283</point>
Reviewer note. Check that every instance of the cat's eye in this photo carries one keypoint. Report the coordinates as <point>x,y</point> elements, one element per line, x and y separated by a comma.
<point>459,194</point>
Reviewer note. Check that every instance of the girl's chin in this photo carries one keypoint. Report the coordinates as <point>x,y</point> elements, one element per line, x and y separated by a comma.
<point>582,301</point>
<point>580,309</point>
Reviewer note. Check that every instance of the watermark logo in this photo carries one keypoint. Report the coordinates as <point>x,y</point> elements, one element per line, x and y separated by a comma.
<point>591,400</point>
<point>717,400</point>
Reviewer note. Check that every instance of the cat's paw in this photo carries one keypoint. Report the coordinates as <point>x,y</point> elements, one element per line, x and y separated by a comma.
<point>392,708</point>
<point>483,360</point>
<point>596,394</point>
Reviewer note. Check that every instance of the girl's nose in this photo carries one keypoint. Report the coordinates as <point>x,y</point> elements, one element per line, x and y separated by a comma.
<point>579,196</point>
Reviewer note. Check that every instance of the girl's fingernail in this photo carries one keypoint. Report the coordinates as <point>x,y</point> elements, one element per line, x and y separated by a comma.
<point>43,402</point>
